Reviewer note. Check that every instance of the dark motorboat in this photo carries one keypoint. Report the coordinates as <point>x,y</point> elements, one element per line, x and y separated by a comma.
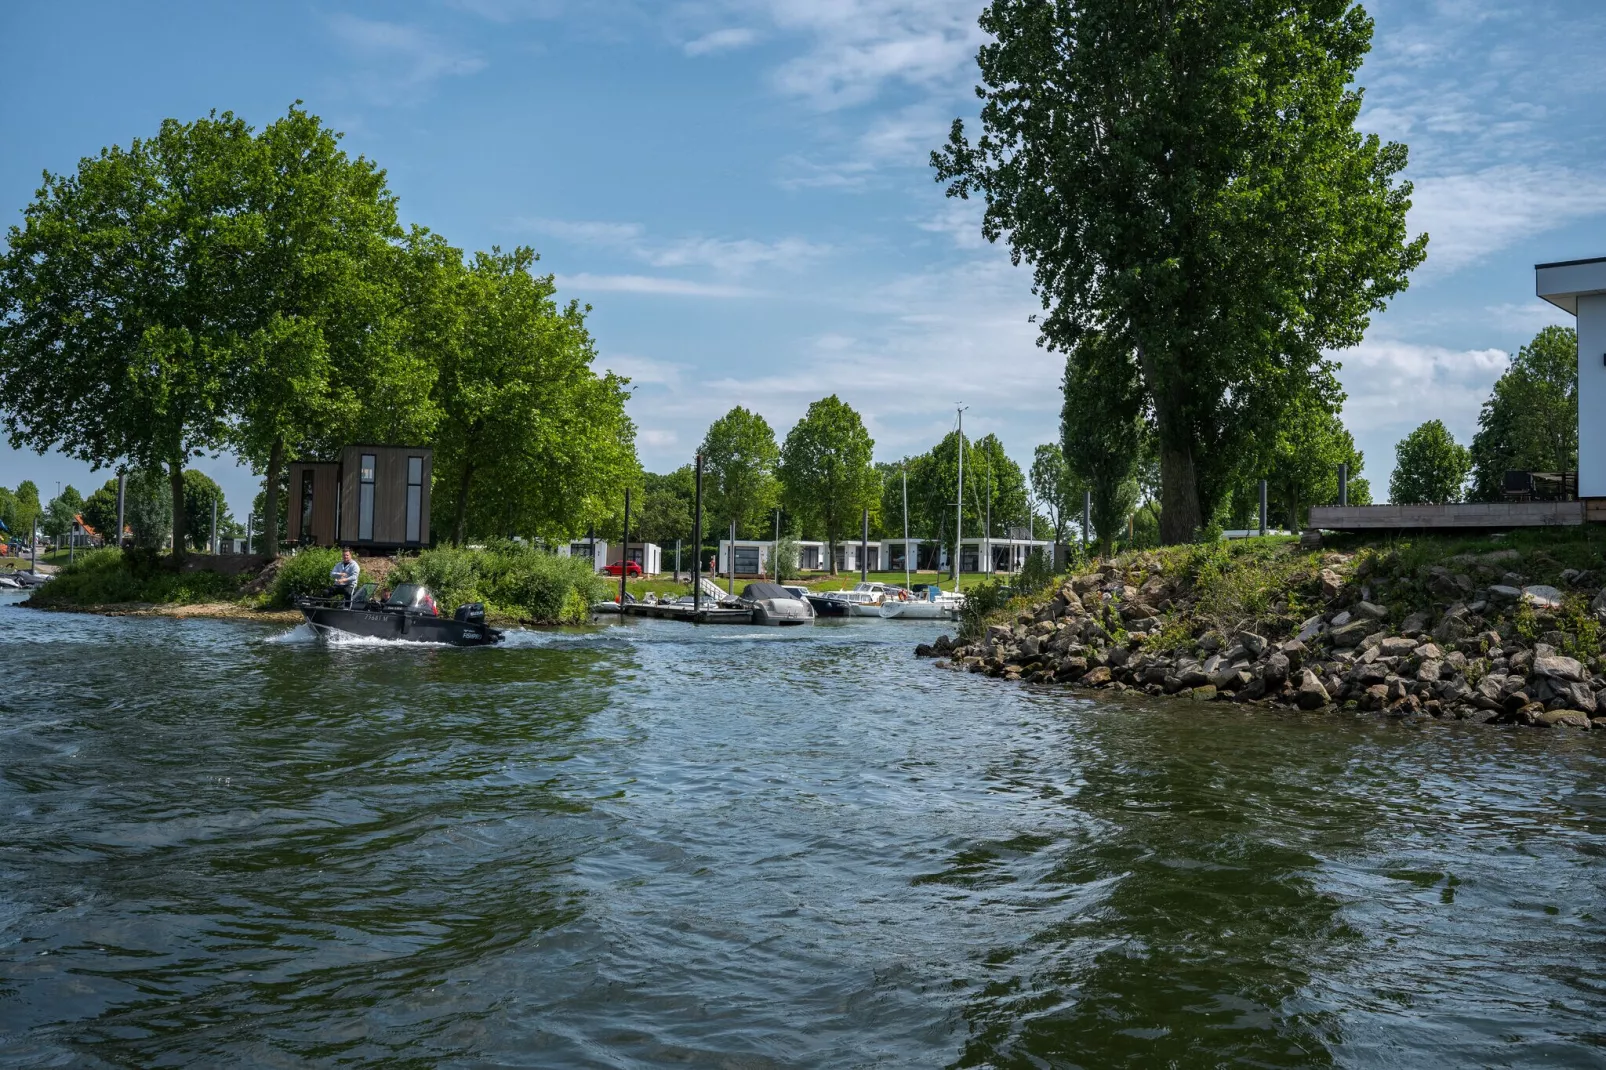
<point>774,604</point>
<point>826,606</point>
<point>408,615</point>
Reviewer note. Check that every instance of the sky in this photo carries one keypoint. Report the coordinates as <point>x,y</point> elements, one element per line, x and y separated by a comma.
<point>740,189</point>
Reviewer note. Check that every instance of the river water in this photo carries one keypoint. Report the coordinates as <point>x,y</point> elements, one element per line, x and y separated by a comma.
<point>223,844</point>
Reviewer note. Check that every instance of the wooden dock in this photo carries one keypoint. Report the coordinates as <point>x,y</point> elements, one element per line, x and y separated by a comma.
<point>709,613</point>
<point>1459,516</point>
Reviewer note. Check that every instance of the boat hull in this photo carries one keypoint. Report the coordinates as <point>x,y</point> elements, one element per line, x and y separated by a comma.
<point>918,611</point>
<point>829,607</point>
<point>398,627</point>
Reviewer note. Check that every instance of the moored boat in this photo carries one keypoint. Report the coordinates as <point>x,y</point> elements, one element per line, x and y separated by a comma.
<point>773,604</point>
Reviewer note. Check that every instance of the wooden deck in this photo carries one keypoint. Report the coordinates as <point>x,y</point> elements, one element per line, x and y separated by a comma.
<point>1474,515</point>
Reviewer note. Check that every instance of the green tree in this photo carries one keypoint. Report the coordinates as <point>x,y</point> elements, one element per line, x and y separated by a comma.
<point>24,509</point>
<point>62,512</point>
<point>739,461</point>
<point>1185,178</point>
<point>119,301</point>
<point>320,348</point>
<point>1303,472</point>
<point>531,440</point>
<point>664,507</point>
<point>1102,431</point>
<point>1429,467</point>
<point>1530,422</point>
<point>8,513</point>
<point>1057,488</point>
<point>100,512</point>
<point>200,491</point>
<point>148,508</point>
<point>1000,483</point>
<point>826,471</point>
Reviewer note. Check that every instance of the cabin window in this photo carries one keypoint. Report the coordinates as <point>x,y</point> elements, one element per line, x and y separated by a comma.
<point>365,499</point>
<point>415,497</point>
<point>747,560</point>
<point>306,505</point>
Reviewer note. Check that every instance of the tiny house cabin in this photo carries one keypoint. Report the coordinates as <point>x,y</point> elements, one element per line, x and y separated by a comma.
<point>373,497</point>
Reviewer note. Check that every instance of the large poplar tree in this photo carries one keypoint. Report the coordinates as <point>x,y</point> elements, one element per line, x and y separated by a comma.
<point>1185,178</point>
<point>739,461</point>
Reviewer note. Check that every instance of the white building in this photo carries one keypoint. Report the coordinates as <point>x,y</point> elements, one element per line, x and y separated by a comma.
<point>582,548</point>
<point>646,554</point>
<point>1579,287</point>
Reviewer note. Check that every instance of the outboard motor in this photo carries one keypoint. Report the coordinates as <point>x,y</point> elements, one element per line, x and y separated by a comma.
<point>471,613</point>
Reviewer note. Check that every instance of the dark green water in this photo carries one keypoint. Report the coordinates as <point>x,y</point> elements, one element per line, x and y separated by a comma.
<point>663,846</point>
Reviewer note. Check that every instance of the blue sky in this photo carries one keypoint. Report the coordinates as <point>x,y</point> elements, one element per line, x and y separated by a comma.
<point>739,188</point>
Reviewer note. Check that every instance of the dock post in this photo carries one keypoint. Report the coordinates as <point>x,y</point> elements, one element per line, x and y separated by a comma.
<point>730,583</point>
<point>1263,507</point>
<point>33,548</point>
<point>697,541</point>
<point>1343,484</point>
<point>624,555</point>
<point>122,496</point>
<point>864,549</point>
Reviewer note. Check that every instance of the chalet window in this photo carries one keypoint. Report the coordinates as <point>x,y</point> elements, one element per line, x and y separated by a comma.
<point>747,561</point>
<point>306,505</point>
<point>415,497</point>
<point>365,499</point>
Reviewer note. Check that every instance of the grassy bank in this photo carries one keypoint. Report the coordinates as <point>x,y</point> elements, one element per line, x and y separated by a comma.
<point>1507,629</point>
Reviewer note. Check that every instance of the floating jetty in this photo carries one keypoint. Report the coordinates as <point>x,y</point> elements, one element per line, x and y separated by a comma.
<point>710,612</point>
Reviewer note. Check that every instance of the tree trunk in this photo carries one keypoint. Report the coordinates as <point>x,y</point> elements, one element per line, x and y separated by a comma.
<point>460,512</point>
<point>270,500</point>
<point>175,480</point>
<point>1180,519</point>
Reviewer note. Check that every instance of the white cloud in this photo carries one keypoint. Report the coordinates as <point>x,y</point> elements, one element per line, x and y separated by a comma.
<point>1393,386</point>
<point>587,231</point>
<point>738,257</point>
<point>649,284</point>
<point>396,63</point>
<point>726,40</point>
<point>1469,216</point>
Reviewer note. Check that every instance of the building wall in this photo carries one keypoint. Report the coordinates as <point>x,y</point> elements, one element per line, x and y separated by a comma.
<point>1592,396</point>
<point>325,491</point>
<point>390,495</point>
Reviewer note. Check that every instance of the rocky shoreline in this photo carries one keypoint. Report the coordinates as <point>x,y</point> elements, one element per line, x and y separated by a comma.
<point>1480,643</point>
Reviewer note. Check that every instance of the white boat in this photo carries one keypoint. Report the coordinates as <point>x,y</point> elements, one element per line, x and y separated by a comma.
<point>775,605</point>
<point>946,606</point>
<point>865,600</point>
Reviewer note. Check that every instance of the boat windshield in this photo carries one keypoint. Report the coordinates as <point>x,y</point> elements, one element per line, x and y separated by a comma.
<point>406,594</point>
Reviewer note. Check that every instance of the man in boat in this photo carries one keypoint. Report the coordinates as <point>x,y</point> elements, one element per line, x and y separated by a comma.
<point>343,577</point>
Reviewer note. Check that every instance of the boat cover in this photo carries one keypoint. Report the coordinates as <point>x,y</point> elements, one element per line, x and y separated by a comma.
<point>758,592</point>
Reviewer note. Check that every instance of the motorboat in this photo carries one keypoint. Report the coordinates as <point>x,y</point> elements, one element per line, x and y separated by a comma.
<point>407,614</point>
<point>938,605</point>
<point>866,598</point>
<point>773,604</point>
<point>829,604</point>
<point>26,580</point>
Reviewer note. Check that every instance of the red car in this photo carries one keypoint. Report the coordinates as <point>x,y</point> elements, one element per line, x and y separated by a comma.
<point>613,569</point>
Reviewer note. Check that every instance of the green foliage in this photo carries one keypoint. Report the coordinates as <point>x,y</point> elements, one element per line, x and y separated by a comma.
<point>531,440</point>
<point>509,577</point>
<point>1429,466</point>
<point>786,558</point>
<point>100,512</point>
<point>739,462</point>
<point>825,470</point>
<point>110,576</point>
<point>1057,488</point>
<point>981,602</point>
<point>301,574</point>
<point>200,491</point>
<point>60,514</point>
<point>1102,431</point>
<point>1188,180</point>
<point>1530,422</point>
<point>1036,573</point>
<point>148,508</point>
<point>1309,446</point>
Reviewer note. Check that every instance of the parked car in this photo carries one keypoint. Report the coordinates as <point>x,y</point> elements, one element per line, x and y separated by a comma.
<point>614,569</point>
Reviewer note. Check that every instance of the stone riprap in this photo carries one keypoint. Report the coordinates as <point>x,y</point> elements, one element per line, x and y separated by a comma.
<point>1502,650</point>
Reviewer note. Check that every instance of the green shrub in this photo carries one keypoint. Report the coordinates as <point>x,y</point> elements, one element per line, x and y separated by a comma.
<point>303,573</point>
<point>981,602</point>
<point>511,578</point>
<point>451,573</point>
<point>105,577</point>
<point>1036,573</point>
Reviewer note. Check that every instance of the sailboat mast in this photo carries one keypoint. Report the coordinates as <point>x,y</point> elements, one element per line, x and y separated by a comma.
<point>906,528</point>
<point>959,506</point>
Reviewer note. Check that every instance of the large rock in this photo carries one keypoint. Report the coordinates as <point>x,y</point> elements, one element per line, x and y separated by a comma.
<point>1312,695</point>
<point>1415,624</point>
<point>1562,719</point>
<point>1254,644</point>
<point>1429,671</point>
<point>1071,668</point>
<point>1558,668</point>
<point>1371,611</point>
<point>1331,582</point>
<point>1542,596</point>
<point>1501,592</point>
<point>1578,696</point>
<point>1275,670</point>
<point>1350,635</point>
<point>1310,629</point>
<point>1454,624</point>
<point>1097,676</point>
<point>1396,647</point>
<point>1598,606</point>
<point>1029,647</point>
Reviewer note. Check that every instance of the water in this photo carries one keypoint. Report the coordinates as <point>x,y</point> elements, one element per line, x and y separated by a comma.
<point>226,845</point>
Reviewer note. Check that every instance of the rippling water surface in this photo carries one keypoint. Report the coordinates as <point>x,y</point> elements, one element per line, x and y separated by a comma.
<point>226,845</point>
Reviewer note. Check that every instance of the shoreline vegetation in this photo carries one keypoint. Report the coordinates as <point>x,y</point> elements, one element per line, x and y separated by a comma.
<point>1501,629</point>
<point>518,585</point>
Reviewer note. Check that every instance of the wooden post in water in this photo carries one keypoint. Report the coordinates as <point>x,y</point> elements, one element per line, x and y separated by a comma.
<point>697,540</point>
<point>624,554</point>
<point>1263,507</point>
